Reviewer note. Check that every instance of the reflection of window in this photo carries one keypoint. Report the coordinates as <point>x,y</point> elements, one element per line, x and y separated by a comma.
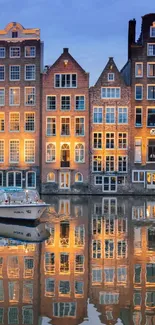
<point>1,291</point>
<point>109,298</point>
<point>138,212</point>
<point>109,274</point>
<point>49,287</point>
<point>79,236</point>
<point>137,299</point>
<point>122,275</point>
<point>13,317</point>
<point>1,315</point>
<point>13,291</point>
<point>64,262</point>
<point>64,288</point>
<point>28,267</point>
<point>13,267</point>
<point>109,206</point>
<point>150,273</point>
<point>64,309</point>
<point>79,263</point>
<point>27,315</point>
<point>49,263</point>
<point>137,273</point>
<point>50,240</point>
<point>137,317</point>
<point>109,248</point>
<point>150,299</point>
<point>97,225</point>
<point>78,288</point>
<point>28,291</point>
<point>97,249</point>
<point>121,248</point>
<point>109,225</point>
<point>96,275</point>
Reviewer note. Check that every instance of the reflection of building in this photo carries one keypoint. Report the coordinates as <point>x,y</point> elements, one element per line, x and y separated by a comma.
<point>19,283</point>
<point>65,138</point>
<point>20,68</point>
<point>64,263</point>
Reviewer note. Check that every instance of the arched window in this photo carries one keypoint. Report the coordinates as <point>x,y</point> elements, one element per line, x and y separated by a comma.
<point>65,155</point>
<point>50,152</point>
<point>51,177</point>
<point>31,179</point>
<point>14,179</point>
<point>78,177</point>
<point>79,153</point>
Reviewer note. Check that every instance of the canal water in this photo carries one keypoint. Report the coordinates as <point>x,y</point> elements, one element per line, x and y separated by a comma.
<point>96,266</point>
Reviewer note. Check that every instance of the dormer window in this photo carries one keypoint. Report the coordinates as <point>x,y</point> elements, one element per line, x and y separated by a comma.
<point>111,76</point>
<point>152,30</point>
<point>14,34</point>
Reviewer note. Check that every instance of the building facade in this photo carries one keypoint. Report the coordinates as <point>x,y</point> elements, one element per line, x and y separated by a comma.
<point>109,132</point>
<point>65,127</point>
<point>20,68</point>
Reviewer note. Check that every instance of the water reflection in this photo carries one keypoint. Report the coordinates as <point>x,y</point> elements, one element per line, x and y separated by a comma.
<point>97,266</point>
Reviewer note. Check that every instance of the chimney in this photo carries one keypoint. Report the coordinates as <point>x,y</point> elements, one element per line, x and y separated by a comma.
<point>131,35</point>
<point>65,50</point>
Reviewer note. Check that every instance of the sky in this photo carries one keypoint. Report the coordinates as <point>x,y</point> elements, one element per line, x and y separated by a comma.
<point>93,30</point>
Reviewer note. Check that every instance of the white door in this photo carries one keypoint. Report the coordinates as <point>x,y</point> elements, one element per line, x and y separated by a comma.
<point>64,180</point>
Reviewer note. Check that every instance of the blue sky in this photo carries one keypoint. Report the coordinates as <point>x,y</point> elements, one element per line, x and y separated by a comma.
<point>92,29</point>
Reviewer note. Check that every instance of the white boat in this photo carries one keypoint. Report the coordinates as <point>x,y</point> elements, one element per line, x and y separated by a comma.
<point>12,232</point>
<point>21,204</point>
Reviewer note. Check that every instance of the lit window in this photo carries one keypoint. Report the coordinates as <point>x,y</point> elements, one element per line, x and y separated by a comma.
<point>14,122</point>
<point>31,179</point>
<point>97,164</point>
<point>29,120</point>
<point>14,151</point>
<point>27,291</point>
<point>65,126</point>
<point>78,177</point>
<point>110,92</point>
<point>14,96</point>
<point>122,140</point>
<point>13,267</point>
<point>14,52</point>
<point>30,51</point>
<point>2,52</point>
<point>29,150</point>
<point>79,103</point>
<point>2,72</point>
<point>109,248</point>
<point>79,126</point>
<point>65,81</point>
<point>79,153</point>
<point>30,96</point>
<point>51,103</point>
<point>121,248</point>
<point>64,263</point>
<point>79,263</point>
<point>2,96</point>
<point>138,92</point>
<point>13,315</point>
<point>2,122</point>
<point>79,236</point>
<point>151,70</point>
<point>13,291</point>
<point>138,70</point>
<point>30,72</point>
<point>50,152</point>
<point>14,72</point>
<point>50,126</point>
<point>96,249</point>
<point>138,176</point>
<point>51,177</point>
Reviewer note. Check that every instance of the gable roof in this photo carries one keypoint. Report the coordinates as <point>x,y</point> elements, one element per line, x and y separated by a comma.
<point>109,68</point>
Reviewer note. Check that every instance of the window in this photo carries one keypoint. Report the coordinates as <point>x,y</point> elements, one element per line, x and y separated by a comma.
<point>64,309</point>
<point>96,249</point>
<point>13,291</point>
<point>1,184</point>
<point>97,164</point>
<point>138,117</point>
<point>152,31</point>
<point>151,117</point>
<point>1,291</point>
<point>49,287</point>
<point>79,288</point>
<point>2,122</point>
<point>79,263</point>
<point>30,51</point>
<point>97,225</point>
<point>122,164</point>
<point>2,96</point>
<point>79,153</point>
<point>98,180</point>
<point>150,299</point>
<point>28,291</point>
<point>138,92</point>
<point>97,140</point>
<point>31,179</point>
<point>50,126</point>
<point>49,262</point>
<point>50,152</point>
<point>109,206</point>
<point>110,140</point>
<point>79,236</point>
<point>97,115</point>
<point>14,120</point>
<point>137,273</point>
<point>1,315</point>
<point>51,177</point>
<point>121,249</point>
<point>29,121</point>
<point>109,298</point>
<point>109,274</point>
<point>150,92</point>
<point>138,176</point>
<point>14,151</point>
<point>14,52</point>
<point>65,162</point>
<point>27,315</point>
<point>137,299</point>
<point>14,34</point>
<point>78,177</point>
<point>138,150</point>
<point>138,69</point>
<point>150,273</point>
<point>30,72</point>
<point>29,151</point>
<point>2,52</point>
<point>64,263</point>
<point>151,149</point>
<point>121,180</point>
<point>14,72</point>
<point>51,103</point>
<point>1,151</point>
<point>65,103</point>
<point>13,267</point>
<point>28,267</point>
<point>109,248</point>
<point>64,288</point>
<point>14,96</point>
<point>109,225</point>
<point>13,317</point>
<point>122,115</point>
<point>65,81</point>
<point>110,92</point>
<point>110,115</point>
<point>80,103</point>
<point>79,126</point>
<point>111,76</point>
<point>151,70</point>
<point>109,184</point>
<point>122,140</point>
<point>30,96</point>
<point>96,275</point>
<point>65,126</point>
<point>151,49</point>
<point>110,163</point>
<point>2,72</point>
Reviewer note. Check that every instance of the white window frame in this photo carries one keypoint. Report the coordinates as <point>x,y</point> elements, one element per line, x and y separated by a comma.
<point>79,162</point>
<point>152,44</point>
<point>1,173</point>
<point>126,133</point>
<point>10,96</point>
<point>122,107</point>
<point>29,56</point>
<point>79,135</point>
<point>122,163</point>
<point>95,177</point>
<point>14,65</point>
<point>82,177</point>
<point>97,250</point>
<point>96,171</point>
<point>50,162</point>
<point>110,161</point>
<point>69,183</point>
<point>148,85</point>
<point>97,140</point>
<point>49,181</point>
<point>2,113</point>
<point>2,65</point>
<point>28,65</point>
<point>65,135</point>
<point>51,110</point>
<point>16,56</point>
<point>3,47</point>
<point>139,85</point>
<point>115,93</point>
<point>109,240</point>
<point>136,64</point>
<point>111,73</point>
<point>109,190</point>
<point>25,88</point>
<point>111,138</point>
<point>14,177</point>
<point>30,171</point>
<point>2,140</point>
<point>70,106</point>
<point>10,121</point>
<point>2,88</point>
<point>148,63</point>
<point>126,251</point>
<point>14,162</point>
<point>138,171</point>
<point>114,108</point>
<point>80,110</point>
<point>29,162</point>
<point>83,270</point>
<point>60,76</point>
<point>30,131</point>
<point>52,117</point>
